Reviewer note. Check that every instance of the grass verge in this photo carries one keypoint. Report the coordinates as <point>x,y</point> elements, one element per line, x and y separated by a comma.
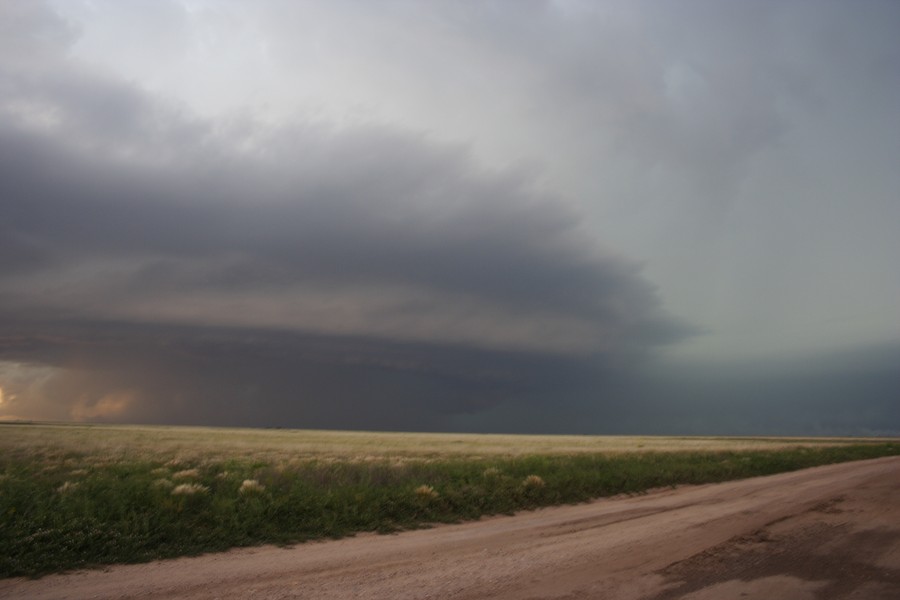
<point>72,509</point>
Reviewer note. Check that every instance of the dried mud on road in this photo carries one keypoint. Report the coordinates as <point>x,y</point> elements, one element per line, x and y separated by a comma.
<point>831,533</point>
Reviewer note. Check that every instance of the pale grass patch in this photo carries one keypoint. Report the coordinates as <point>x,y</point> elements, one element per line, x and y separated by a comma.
<point>492,473</point>
<point>426,493</point>
<point>78,472</point>
<point>66,487</point>
<point>251,486</point>
<point>189,489</point>
<point>533,482</point>
<point>186,474</point>
<point>163,483</point>
<point>160,471</point>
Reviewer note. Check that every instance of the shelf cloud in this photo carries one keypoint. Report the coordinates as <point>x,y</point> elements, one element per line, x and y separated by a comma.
<point>432,216</point>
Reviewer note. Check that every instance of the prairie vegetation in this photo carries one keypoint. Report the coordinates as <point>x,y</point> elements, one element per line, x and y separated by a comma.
<point>76,496</point>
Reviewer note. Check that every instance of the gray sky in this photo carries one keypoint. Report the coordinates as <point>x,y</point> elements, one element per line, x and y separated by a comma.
<point>599,217</point>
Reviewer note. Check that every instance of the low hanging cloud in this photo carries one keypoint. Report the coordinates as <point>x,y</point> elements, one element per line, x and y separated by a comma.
<point>178,268</point>
<point>351,233</point>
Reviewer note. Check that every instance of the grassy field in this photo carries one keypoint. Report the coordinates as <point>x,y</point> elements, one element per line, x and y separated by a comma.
<point>76,496</point>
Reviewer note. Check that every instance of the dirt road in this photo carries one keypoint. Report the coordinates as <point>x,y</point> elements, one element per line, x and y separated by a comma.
<point>831,532</point>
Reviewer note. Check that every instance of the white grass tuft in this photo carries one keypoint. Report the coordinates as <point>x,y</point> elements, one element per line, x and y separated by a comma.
<point>533,482</point>
<point>186,474</point>
<point>426,492</point>
<point>251,486</point>
<point>189,489</point>
<point>66,487</point>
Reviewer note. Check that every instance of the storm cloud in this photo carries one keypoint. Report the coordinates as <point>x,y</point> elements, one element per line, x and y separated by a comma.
<point>434,216</point>
<point>133,234</point>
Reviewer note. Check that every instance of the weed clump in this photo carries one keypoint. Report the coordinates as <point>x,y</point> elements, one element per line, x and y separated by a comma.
<point>66,487</point>
<point>189,489</point>
<point>533,482</point>
<point>186,474</point>
<point>251,486</point>
<point>426,493</point>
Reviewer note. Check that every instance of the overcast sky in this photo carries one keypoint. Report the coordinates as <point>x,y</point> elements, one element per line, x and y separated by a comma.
<point>593,217</point>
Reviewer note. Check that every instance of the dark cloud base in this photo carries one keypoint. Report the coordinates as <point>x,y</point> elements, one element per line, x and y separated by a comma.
<point>219,376</point>
<point>228,377</point>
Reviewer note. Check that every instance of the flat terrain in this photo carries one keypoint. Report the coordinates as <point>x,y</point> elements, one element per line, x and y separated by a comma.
<point>205,443</point>
<point>829,532</point>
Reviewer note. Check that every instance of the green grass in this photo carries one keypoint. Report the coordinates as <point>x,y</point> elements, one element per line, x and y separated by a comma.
<point>82,497</point>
